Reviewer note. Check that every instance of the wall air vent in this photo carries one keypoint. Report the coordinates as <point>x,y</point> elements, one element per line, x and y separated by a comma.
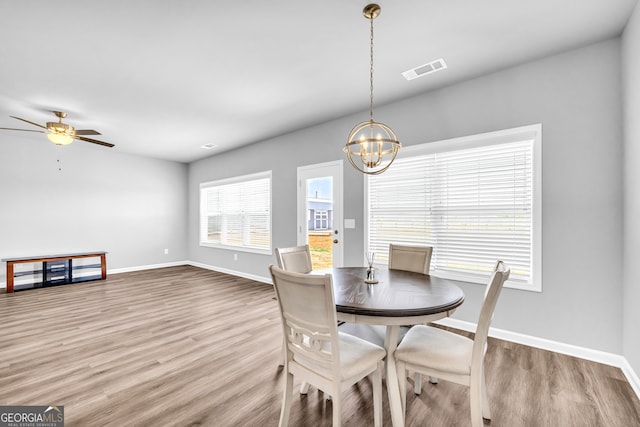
<point>425,69</point>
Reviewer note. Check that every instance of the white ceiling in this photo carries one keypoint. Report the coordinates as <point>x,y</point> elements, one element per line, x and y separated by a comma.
<point>160,78</point>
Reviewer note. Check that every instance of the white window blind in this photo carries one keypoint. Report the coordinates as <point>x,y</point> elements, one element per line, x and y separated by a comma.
<point>235,213</point>
<point>475,200</point>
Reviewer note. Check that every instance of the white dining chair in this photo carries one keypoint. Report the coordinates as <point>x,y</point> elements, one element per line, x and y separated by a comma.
<point>418,260</point>
<point>296,259</point>
<point>410,258</point>
<point>316,352</point>
<point>453,357</point>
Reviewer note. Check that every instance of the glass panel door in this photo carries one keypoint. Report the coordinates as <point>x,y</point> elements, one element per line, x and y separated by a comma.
<point>320,213</point>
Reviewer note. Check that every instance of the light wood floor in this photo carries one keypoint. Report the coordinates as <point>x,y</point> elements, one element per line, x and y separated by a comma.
<point>184,346</point>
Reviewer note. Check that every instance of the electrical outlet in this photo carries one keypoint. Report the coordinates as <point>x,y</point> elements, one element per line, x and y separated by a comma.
<point>166,251</point>
<point>235,257</point>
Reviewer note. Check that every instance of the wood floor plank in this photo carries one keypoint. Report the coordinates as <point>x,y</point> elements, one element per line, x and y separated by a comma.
<point>185,346</point>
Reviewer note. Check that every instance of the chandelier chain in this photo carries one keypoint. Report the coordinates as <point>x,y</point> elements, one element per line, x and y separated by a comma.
<point>371,73</point>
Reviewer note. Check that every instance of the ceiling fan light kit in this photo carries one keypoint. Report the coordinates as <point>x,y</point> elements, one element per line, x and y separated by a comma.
<point>60,138</point>
<point>61,133</point>
<point>371,146</point>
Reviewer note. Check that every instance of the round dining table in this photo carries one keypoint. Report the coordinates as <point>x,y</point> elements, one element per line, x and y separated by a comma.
<point>398,298</point>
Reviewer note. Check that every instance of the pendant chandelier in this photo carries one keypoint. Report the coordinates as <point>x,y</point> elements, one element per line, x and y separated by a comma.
<point>371,146</point>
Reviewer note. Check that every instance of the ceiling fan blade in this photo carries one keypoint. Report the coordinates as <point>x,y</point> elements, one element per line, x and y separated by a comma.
<point>94,141</point>
<point>31,123</point>
<point>25,130</point>
<point>87,132</point>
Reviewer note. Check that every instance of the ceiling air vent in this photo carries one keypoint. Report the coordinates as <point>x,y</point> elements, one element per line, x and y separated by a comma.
<point>425,69</point>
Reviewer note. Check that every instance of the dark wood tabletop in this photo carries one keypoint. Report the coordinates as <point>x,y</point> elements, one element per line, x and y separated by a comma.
<point>397,294</point>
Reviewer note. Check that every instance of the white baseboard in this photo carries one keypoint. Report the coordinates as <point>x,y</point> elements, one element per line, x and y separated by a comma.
<point>194,264</point>
<point>232,272</point>
<point>632,377</point>
<point>146,267</point>
<point>610,359</point>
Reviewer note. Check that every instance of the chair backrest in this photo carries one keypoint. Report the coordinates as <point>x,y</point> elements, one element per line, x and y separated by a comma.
<point>500,275</point>
<point>410,258</point>
<point>295,259</point>
<point>309,319</point>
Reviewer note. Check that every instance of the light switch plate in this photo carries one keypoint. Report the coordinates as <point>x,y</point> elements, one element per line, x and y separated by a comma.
<point>349,223</point>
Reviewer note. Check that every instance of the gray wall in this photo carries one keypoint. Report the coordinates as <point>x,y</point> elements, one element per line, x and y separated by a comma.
<point>631,240</point>
<point>577,98</point>
<point>101,200</point>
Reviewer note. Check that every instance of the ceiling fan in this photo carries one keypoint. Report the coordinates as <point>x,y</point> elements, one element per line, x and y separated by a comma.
<point>61,133</point>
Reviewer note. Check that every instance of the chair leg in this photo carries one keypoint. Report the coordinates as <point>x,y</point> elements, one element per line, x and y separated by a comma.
<point>336,402</point>
<point>401,368</point>
<point>486,412</point>
<point>417,383</point>
<point>376,379</point>
<point>475,397</point>
<point>286,401</point>
<point>304,387</point>
<point>283,354</point>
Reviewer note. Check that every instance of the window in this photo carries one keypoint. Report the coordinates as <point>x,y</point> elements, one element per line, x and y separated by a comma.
<point>235,213</point>
<point>474,199</point>
<point>322,220</point>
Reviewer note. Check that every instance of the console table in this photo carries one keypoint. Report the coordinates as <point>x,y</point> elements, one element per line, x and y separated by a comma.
<point>56,270</point>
